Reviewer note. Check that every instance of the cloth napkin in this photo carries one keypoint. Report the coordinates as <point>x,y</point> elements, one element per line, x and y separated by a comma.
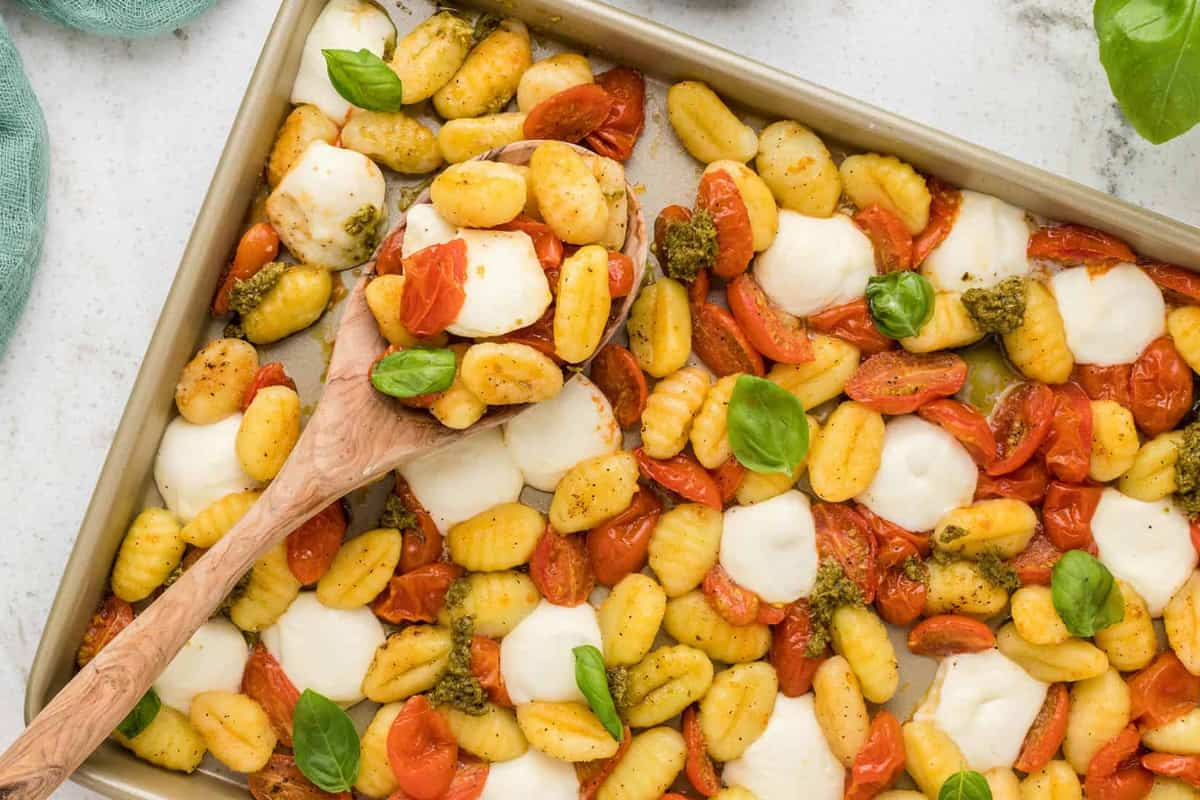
<point>24,142</point>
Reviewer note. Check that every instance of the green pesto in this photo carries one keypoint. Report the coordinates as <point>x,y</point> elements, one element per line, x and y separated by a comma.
<point>1000,309</point>
<point>458,687</point>
<point>409,194</point>
<point>997,572</point>
<point>239,589</point>
<point>915,570</point>
<point>950,533</point>
<point>618,686</point>
<point>485,26</point>
<point>234,330</point>
<point>831,591</point>
<point>363,225</point>
<point>247,294</point>
<point>395,515</point>
<point>691,246</point>
<point>1187,471</point>
<point>457,593</point>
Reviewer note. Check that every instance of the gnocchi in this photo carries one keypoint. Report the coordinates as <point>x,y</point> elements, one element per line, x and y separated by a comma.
<point>871,179</point>
<point>660,328</point>
<point>796,165</point>
<point>463,139</point>
<point>1072,660</point>
<point>581,313</point>
<point>150,551</point>
<point>393,139</point>
<point>509,373</point>
<point>408,663</point>
<point>430,54</point>
<point>270,429</point>
<point>235,728</point>
<point>674,402</point>
<point>218,518</point>
<point>706,126</point>
<point>629,619</point>
<point>840,708</point>
<point>568,194</point>
<point>1114,440</point>
<point>490,74</point>
<point>211,386</point>
<point>361,569</point>
<point>500,538</point>
<point>1038,347</point>
<point>592,491</point>
<point>1181,618</point>
<point>684,545</point>
<point>690,620</point>
<point>735,710</point>
<point>479,194</point>
<point>550,76</point>
<point>843,460</point>
<point>269,591</point>
<point>292,304</point>
<point>822,379</point>
<point>566,731</point>
<point>666,682</point>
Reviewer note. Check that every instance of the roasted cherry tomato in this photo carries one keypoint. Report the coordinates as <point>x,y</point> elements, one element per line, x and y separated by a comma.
<point>616,373</point>
<point>1026,483</point>
<point>485,666</point>
<point>1185,768</point>
<point>1020,423</point>
<point>965,424</point>
<point>1033,565</point>
<point>620,274</point>
<point>433,287</point>
<point>560,570</point>
<point>719,196</point>
<point>619,132</point>
<point>769,613</point>
<point>944,202</point>
<point>422,750</point>
<point>851,322</point>
<point>698,288</point>
<point>737,604</point>
<point>669,216</point>
<point>1046,734</point>
<point>1068,446</point>
<point>899,598</point>
<point>728,477</point>
<point>891,553</point>
<point>699,767</point>
<point>112,616</point>
<point>470,776</point>
<point>1067,514</point>
<point>592,774</point>
<point>1163,691</point>
<point>947,634</point>
<point>721,344</point>
<point>1115,772</point>
<point>842,534</point>
<point>546,244</point>
<point>880,761</point>
<point>416,596</point>
<point>421,544</point>
<point>258,247</point>
<point>1078,244</point>
<point>272,374</point>
<point>789,650</point>
<point>772,331</point>
<point>281,779</point>
<point>899,382</point>
<point>1105,383</point>
<point>390,260</point>
<point>893,244</point>
<point>312,546</point>
<point>265,682</point>
<point>1179,283</point>
<point>618,546</point>
<point>683,475</point>
<point>886,531</point>
<point>569,115</point>
<point>1160,386</point>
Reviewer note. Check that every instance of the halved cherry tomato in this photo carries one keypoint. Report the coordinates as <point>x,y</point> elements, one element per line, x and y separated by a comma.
<point>900,382</point>
<point>737,604</point>
<point>1115,772</point>
<point>560,570</point>
<point>947,634</point>
<point>617,375</point>
<point>1034,564</point>
<point>698,288</point>
<point>416,596</point>
<point>281,779</point>
<point>485,666</point>
<point>1021,422</point>
<point>272,374</point>
<point>892,242</point>
<point>1067,514</point>
<point>1046,734</point>
<point>422,750</point>
<point>891,553</point>
<point>899,598</point>
<point>670,215</point>
<point>1026,483</point>
<point>546,244</point>
<point>390,261</point>
<point>569,115</point>
<point>112,616</point>
<point>1078,244</point>
<point>729,477</point>
<point>965,424</point>
<point>1068,446</point>
<point>265,682</point>
<point>539,335</point>
<point>420,545</point>
<point>699,767</point>
<point>842,534</point>
<point>1105,383</point>
<point>721,344</point>
<point>1163,691</point>
<point>772,331</point>
<point>880,761</point>
<point>1160,386</point>
<point>852,322</point>
<point>944,202</point>
<point>620,274</point>
<point>592,774</point>
<point>1177,282</point>
<point>470,776</point>
<point>719,196</point>
<point>258,247</point>
<point>1185,768</point>
<point>617,135</point>
<point>618,546</point>
<point>789,650</point>
<point>312,546</point>
<point>886,531</point>
<point>433,287</point>
<point>769,613</point>
<point>683,475</point>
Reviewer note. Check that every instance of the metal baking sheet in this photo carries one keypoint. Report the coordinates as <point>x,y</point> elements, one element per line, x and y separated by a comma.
<point>662,172</point>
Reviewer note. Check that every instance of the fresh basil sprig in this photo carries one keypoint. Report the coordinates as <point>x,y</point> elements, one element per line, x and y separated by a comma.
<point>965,785</point>
<point>325,742</point>
<point>592,680</point>
<point>900,302</point>
<point>364,79</point>
<point>1085,594</point>
<point>767,428</point>
<point>141,716</point>
<point>415,371</point>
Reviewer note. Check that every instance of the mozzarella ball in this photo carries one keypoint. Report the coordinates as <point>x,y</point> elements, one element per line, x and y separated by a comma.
<point>211,661</point>
<point>815,263</point>
<point>534,773</point>
<point>770,547</point>
<point>986,245</point>
<point>464,479</point>
<point>1110,316</point>
<point>198,464</point>
<point>343,25</point>
<point>424,227</point>
<point>790,759</point>
<point>506,287</point>
<point>536,661</point>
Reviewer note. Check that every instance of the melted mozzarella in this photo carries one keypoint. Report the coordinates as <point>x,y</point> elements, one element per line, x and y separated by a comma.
<point>343,25</point>
<point>1147,545</point>
<point>986,245</point>
<point>1110,316</point>
<point>211,661</point>
<point>423,227</point>
<point>985,703</point>
<point>198,464</point>
<point>464,479</point>
<point>815,263</point>
<point>534,774</point>
<point>319,205</point>
<point>791,759</point>
<point>536,661</point>
<point>923,473</point>
<point>556,434</point>
<point>506,287</point>
<point>325,649</point>
<point>770,547</point>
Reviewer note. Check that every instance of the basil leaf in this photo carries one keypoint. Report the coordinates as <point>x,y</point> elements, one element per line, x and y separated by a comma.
<point>767,428</point>
<point>1151,52</point>
<point>364,79</point>
<point>1085,594</point>
<point>592,680</point>
<point>141,716</point>
<point>900,302</point>
<point>413,372</point>
<point>965,785</point>
<point>324,742</point>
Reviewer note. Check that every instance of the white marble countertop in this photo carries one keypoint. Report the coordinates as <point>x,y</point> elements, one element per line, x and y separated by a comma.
<point>137,126</point>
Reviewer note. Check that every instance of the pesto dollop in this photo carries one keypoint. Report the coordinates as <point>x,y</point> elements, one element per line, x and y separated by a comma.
<point>395,515</point>
<point>997,572</point>
<point>831,591</point>
<point>458,687</point>
<point>952,532</point>
<point>457,593</point>
<point>915,570</point>
<point>1000,309</point>
<point>247,294</point>
<point>408,194</point>
<point>1187,471</point>
<point>618,686</point>
<point>691,246</point>
<point>363,224</point>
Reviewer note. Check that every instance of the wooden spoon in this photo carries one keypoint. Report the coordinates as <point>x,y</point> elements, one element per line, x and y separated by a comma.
<point>356,436</point>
